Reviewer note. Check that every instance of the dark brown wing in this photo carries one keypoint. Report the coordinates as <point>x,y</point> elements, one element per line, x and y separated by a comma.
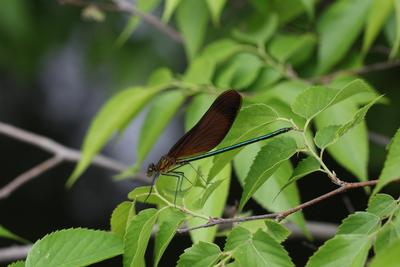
<point>212,127</point>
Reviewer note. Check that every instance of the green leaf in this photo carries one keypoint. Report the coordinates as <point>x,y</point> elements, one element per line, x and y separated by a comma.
<point>74,247</point>
<point>389,257</point>
<point>391,168</point>
<point>360,222</point>
<point>387,235</point>
<point>142,5</point>
<point>396,45</point>
<point>267,77</point>
<point>265,164</point>
<point>338,28</point>
<point>240,72</point>
<point>309,7</point>
<point>305,167</point>
<point>120,217</point>
<point>17,264</point>
<point>277,230</point>
<point>5,233</point>
<point>214,205</point>
<point>285,91</point>
<point>202,254</point>
<point>342,250</point>
<point>112,117</point>
<point>162,110</point>
<point>378,14</point>
<point>258,31</point>
<point>351,151</point>
<point>140,194</point>
<point>326,136</point>
<point>264,195</point>
<point>252,120</point>
<point>381,205</point>
<point>292,48</point>
<point>169,8</point>
<point>137,236</point>
<point>221,50</point>
<point>207,193</point>
<point>215,7</point>
<point>329,135</point>
<point>192,19</point>
<point>160,77</point>
<point>316,99</point>
<point>200,70</point>
<point>237,237</point>
<point>170,219</point>
<point>262,250</point>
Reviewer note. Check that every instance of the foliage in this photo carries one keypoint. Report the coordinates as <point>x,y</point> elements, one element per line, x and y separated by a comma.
<point>288,79</point>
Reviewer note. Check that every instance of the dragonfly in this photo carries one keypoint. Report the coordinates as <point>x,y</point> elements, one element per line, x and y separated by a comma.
<point>198,143</point>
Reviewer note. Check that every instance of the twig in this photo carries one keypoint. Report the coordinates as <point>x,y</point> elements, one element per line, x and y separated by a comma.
<point>61,153</point>
<point>281,215</point>
<point>29,175</point>
<point>14,253</point>
<point>378,139</point>
<point>127,7</point>
<point>362,70</point>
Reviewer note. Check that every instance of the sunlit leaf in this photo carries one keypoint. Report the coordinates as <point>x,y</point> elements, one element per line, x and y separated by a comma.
<point>74,247</point>
<point>276,230</point>
<point>262,250</point>
<point>192,19</point>
<point>389,257</point>
<point>381,204</point>
<point>265,164</point>
<point>162,110</point>
<point>330,134</point>
<point>169,221</point>
<point>351,150</point>
<point>338,27</point>
<point>391,169</point>
<point>316,99</point>
<point>5,233</point>
<point>201,254</point>
<point>120,217</point>
<point>215,7</point>
<point>137,236</point>
<point>266,193</point>
<point>396,44</point>
<point>169,8</point>
<point>359,223</point>
<point>342,250</point>
<point>112,117</point>
<point>378,14</point>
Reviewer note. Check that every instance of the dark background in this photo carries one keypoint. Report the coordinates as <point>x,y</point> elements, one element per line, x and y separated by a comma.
<point>56,71</point>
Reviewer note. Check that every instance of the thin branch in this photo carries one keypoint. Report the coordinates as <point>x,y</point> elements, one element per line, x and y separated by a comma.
<point>61,153</point>
<point>280,215</point>
<point>14,253</point>
<point>378,139</point>
<point>29,175</point>
<point>127,7</point>
<point>362,70</point>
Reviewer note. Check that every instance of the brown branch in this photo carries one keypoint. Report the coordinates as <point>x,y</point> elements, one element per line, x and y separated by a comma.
<point>61,153</point>
<point>359,71</point>
<point>29,175</point>
<point>280,215</point>
<point>127,7</point>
